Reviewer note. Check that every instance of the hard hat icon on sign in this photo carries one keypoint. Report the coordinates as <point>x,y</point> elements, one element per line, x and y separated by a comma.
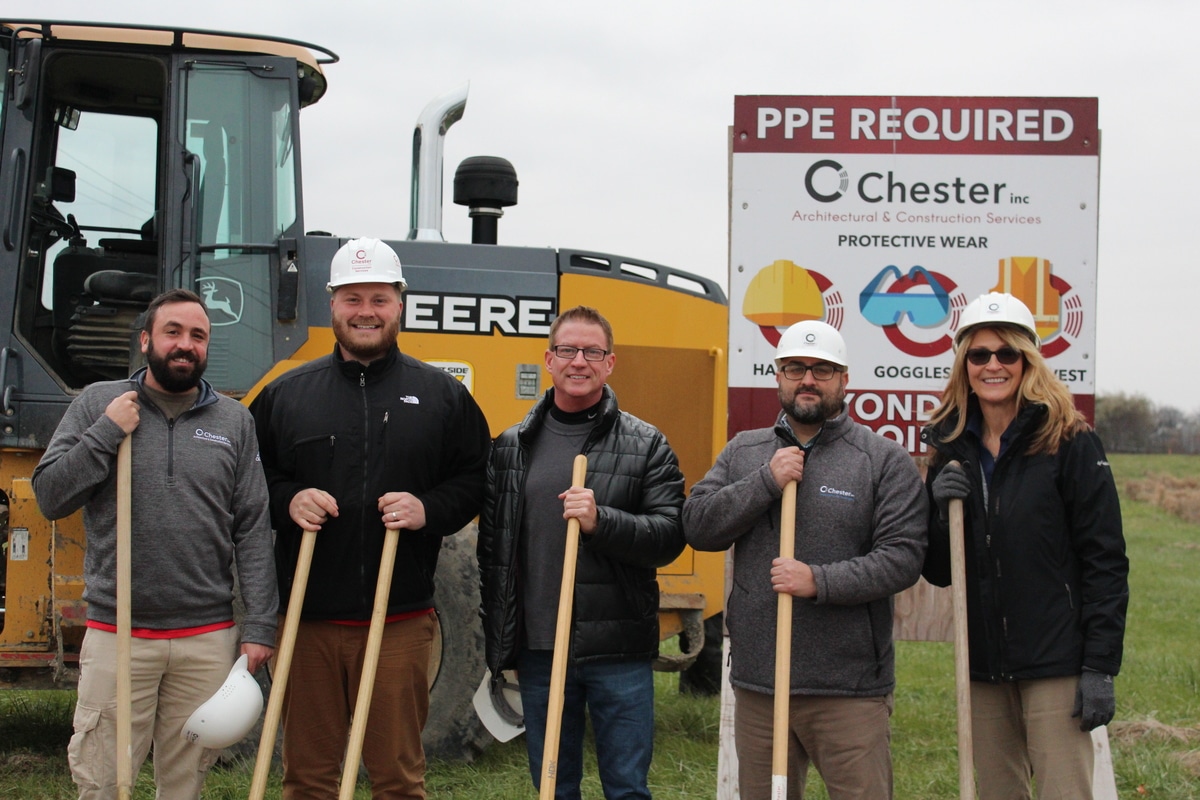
<point>784,293</point>
<point>1030,279</point>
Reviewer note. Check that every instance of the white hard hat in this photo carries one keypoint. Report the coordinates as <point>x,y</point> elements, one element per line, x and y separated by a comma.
<point>225,718</point>
<point>365,261</point>
<point>812,339</point>
<point>996,308</point>
<point>498,704</point>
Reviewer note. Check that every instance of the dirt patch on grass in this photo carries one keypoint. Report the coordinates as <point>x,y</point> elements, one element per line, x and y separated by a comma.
<point>1130,732</point>
<point>1178,496</point>
<point>23,763</point>
<point>1191,762</point>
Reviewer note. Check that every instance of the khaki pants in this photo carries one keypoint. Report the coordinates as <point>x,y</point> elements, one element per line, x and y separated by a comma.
<point>321,693</point>
<point>848,739</point>
<point>1026,728</point>
<point>170,679</point>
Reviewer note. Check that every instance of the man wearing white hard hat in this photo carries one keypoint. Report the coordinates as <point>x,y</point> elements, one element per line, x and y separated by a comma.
<point>364,440</point>
<point>860,539</point>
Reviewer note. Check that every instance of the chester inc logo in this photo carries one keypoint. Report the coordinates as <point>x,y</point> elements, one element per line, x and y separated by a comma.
<point>840,494</point>
<point>810,181</point>
<point>206,436</point>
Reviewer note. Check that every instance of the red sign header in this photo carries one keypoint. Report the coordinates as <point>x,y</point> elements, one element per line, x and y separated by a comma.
<point>916,125</point>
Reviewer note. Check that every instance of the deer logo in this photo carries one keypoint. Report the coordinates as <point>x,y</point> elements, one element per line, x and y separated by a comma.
<point>224,298</point>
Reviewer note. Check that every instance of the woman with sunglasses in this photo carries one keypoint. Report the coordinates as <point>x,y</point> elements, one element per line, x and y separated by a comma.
<point>1047,575</point>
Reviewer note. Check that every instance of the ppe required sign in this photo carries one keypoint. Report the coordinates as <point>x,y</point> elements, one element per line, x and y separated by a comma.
<point>885,216</point>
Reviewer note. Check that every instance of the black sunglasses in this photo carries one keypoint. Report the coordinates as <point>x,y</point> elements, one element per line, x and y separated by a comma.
<point>979,356</point>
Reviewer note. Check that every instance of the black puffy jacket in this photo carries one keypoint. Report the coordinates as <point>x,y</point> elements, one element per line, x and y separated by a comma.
<point>639,493</point>
<point>1047,575</point>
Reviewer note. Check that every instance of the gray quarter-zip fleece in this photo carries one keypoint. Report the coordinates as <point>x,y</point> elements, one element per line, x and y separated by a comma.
<point>199,503</point>
<point>861,526</point>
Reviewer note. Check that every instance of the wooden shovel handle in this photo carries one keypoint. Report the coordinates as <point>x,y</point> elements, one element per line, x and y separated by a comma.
<point>783,649</point>
<point>282,667</point>
<point>124,620</point>
<point>366,685</point>
<point>562,646</point>
<point>962,661</point>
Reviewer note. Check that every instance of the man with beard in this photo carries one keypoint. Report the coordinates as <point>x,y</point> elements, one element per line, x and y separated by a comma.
<point>364,440</point>
<point>198,507</point>
<point>860,538</point>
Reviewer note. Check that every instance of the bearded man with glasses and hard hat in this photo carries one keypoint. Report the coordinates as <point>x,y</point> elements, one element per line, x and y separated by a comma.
<point>859,539</point>
<point>362,441</point>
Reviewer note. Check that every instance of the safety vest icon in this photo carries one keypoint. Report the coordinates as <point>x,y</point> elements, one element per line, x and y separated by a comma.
<point>1028,279</point>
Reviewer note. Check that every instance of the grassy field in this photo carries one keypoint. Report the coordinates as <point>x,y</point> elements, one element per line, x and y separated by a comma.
<point>1155,737</point>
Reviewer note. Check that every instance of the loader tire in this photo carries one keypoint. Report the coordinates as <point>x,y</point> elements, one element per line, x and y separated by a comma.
<point>703,678</point>
<point>453,731</point>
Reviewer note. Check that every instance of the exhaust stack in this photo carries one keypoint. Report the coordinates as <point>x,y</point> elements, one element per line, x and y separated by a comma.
<point>429,137</point>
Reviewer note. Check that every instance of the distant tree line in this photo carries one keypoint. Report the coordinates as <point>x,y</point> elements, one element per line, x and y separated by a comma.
<point>1133,424</point>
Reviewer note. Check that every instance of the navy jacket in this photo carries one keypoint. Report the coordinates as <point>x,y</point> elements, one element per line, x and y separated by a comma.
<point>1047,575</point>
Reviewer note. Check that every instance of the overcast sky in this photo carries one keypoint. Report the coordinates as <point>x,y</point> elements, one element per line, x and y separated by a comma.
<point>614,115</point>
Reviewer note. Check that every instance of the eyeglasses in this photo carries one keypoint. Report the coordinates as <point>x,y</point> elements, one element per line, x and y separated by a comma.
<point>981,356</point>
<point>568,352</point>
<point>794,371</point>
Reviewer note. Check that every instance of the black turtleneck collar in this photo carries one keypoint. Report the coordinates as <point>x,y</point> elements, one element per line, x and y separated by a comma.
<point>587,416</point>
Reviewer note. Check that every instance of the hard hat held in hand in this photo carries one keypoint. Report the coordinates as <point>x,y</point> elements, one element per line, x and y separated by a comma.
<point>498,705</point>
<point>225,718</point>
<point>365,261</point>
<point>812,339</point>
<point>996,308</point>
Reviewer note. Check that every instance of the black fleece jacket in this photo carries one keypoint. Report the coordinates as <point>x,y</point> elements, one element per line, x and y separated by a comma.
<point>1047,575</point>
<point>396,425</point>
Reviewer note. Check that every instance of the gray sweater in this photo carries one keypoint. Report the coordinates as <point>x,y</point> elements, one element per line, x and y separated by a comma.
<point>199,501</point>
<point>861,526</point>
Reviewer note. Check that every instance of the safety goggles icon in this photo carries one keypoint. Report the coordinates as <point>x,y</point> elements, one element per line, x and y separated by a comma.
<point>925,309</point>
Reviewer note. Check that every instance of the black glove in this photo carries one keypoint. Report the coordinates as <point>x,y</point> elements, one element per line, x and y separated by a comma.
<point>950,484</point>
<point>1095,700</point>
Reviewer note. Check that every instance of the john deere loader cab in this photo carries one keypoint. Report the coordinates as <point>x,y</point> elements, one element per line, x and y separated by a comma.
<point>134,162</point>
